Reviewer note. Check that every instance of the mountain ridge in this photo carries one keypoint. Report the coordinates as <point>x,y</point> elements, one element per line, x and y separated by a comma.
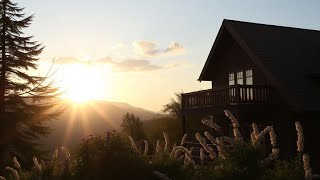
<point>79,120</point>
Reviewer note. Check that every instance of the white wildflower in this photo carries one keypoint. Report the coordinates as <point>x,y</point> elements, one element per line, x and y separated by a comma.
<point>211,124</point>
<point>183,140</point>
<point>133,144</point>
<point>160,175</point>
<point>306,166</point>
<point>300,137</point>
<point>13,172</point>
<point>16,163</point>
<point>166,139</point>
<point>146,147</point>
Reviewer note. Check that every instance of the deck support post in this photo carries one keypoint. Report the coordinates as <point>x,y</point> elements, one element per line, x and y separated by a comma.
<point>183,125</point>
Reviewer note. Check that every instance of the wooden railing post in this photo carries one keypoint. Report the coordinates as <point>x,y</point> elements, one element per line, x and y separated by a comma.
<point>237,93</point>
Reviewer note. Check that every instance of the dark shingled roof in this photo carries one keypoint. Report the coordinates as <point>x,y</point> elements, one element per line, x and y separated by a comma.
<point>289,57</point>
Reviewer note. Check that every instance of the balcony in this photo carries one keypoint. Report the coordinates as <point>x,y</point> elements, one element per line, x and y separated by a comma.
<point>232,95</point>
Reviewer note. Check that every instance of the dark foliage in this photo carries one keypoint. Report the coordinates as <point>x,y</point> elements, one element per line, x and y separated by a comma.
<point>109,157</point>
<point>131,125</point>
<point>26,101</point>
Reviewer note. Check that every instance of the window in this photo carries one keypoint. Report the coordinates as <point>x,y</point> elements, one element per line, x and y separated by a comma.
<point>249,79</point>
<point>240,77</point>
<point>231,79</point>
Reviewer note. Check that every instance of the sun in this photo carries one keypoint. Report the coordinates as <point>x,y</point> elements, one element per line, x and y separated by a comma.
<point>81,83</point>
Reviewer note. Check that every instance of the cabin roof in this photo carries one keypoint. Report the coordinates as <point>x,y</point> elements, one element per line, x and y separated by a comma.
<point>289,57</point>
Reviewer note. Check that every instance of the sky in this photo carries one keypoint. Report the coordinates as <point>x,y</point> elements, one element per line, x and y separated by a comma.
<point>143,51</point>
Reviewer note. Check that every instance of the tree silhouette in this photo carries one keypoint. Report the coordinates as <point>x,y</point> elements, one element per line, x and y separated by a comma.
<point>26,101</point>
<point>174,106</point>
<point>132,126</point>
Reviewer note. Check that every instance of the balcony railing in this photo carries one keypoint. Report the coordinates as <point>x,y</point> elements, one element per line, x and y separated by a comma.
<point>237,94</point>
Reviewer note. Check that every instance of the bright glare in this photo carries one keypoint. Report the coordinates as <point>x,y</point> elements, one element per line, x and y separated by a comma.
<point>81,83</point>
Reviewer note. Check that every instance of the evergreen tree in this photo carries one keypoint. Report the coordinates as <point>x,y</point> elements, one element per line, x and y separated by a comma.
<point>132,126</point>
<point>26,101</point>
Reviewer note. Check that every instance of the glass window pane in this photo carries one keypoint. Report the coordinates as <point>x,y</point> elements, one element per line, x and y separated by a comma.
<point>240,77</point>
<point>249,77</point>
<point>231,79</point>
<point>249,81</point>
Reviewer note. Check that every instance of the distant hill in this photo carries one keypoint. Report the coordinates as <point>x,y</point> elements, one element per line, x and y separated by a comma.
<point>95,117</point>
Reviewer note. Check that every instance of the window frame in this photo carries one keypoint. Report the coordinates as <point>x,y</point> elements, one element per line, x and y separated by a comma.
<point>238,78</point>
<point>247,76</point>
<point>233,80</point>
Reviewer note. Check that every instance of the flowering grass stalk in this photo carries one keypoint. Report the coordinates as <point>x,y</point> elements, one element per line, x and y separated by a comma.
<point>54,156</point>
<point>261,135</point>
<point>202,156</point>
<point>235,125</point>
<point>16,163</point>
<point>146,147</point>
<point>274,155</point>
<point>300,140</point>
<point>158,147</point>
<point>211,124</point>
<point>273,137</point>
<point>13,172</point>
<point>306,167</point>
<point>183,140</point>
<point>66,153</point>
<point>37,166</point>
<point>186,152</point>
<point>167,142</point>
<point>2,178</point>
<point>133,144</point>
<point>202,141</point>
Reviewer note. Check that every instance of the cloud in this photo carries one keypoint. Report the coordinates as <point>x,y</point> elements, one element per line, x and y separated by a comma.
<point>130,64</point>
<point>146,48</point>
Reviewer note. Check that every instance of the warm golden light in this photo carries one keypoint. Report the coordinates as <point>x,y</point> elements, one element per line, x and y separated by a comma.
<point>82,82</point>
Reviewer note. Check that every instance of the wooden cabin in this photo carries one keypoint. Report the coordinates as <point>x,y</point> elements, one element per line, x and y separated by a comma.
<point>265,74</point>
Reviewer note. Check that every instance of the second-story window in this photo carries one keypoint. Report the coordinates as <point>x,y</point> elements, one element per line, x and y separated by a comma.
<point>249,78</point>
<point>240,77</point>
<point>231,79</point>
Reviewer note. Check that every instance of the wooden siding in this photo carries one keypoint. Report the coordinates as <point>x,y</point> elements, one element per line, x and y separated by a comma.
<point>232,58</point>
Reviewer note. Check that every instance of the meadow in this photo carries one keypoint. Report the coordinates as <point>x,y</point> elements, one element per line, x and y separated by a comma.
<point>116,156</point>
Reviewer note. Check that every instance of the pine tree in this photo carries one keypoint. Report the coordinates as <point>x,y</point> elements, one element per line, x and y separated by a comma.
<point>26,101</point>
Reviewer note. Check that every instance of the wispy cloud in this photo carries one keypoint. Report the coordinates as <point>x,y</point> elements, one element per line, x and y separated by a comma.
<point>146,48</point>
<point>122,64</point>
<point>138,62</point>
<point>130,64</point>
